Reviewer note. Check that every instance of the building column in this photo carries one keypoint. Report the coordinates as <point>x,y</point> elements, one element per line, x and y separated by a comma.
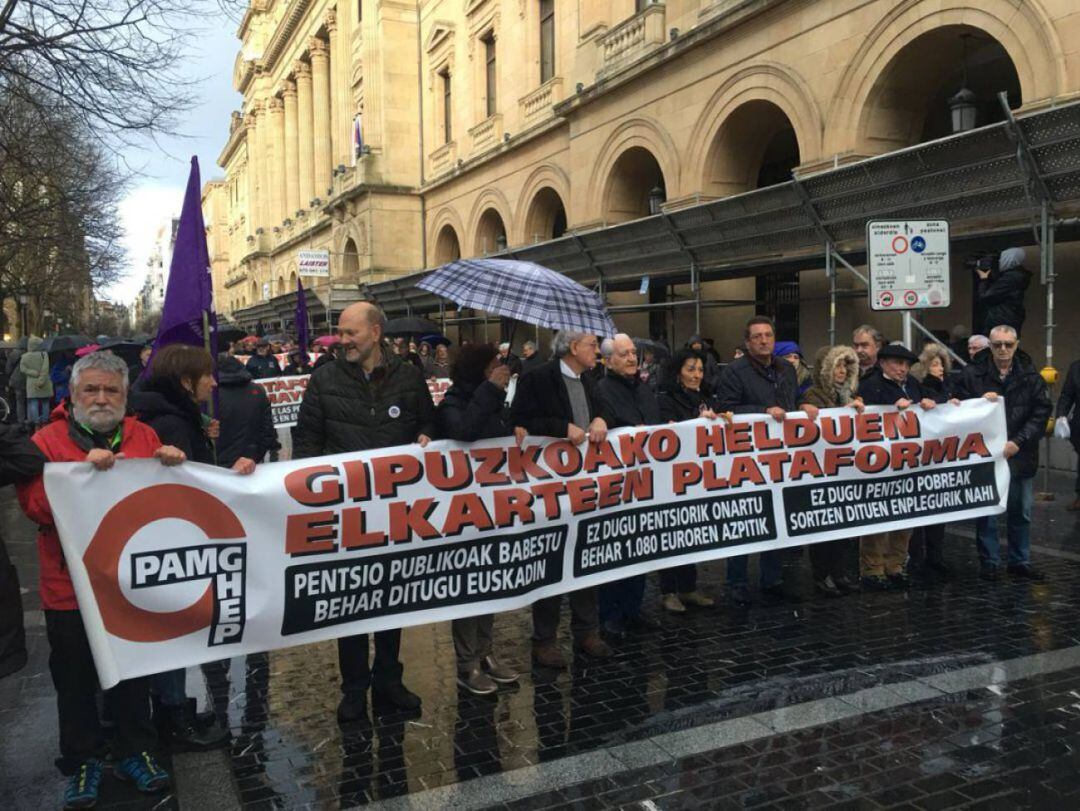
<point>276,157</point>
<point>250,136</point>
<point>320,93</point>
<point>338,65</point>
<point>306,151</point>
<point>257,167</point>
<point>292,150</point>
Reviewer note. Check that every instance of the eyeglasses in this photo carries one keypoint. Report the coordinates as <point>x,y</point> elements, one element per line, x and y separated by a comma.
<point>1003,344</point>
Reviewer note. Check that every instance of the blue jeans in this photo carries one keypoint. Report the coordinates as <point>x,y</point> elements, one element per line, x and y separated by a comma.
<point>37,410</point>
<point>169,687</point>
<point>770,563</point>
<point>1018,521</point>
<point>621,599</point>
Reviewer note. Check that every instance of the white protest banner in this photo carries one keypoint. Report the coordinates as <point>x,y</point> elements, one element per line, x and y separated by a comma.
<point>177,566</point>
<point>285,395</point>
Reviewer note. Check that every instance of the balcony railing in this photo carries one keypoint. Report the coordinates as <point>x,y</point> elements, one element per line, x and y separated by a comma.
<point>443,159</point>
<point>633,38</point>
<point>537,106</point>
<point>487,133</point>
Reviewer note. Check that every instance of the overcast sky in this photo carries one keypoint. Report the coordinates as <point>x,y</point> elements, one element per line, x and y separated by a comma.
<point>158,195</point>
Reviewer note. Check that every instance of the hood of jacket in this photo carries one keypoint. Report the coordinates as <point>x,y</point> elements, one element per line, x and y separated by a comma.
<point>158,396</point>
<point>34,344</point>
<point>1012,258</point>
<point>825,363</point>
<point>231,372</point>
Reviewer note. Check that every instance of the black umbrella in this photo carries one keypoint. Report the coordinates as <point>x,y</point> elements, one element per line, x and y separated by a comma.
<point>658,348</point>
<point>410,326</point>
<point>64,343</point>
<point>434,340</point>
<point>227,334</point>
<point>124,348</point>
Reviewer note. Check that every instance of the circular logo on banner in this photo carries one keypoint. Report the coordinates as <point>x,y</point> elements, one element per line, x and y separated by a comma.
<point>918,244</point>
<point>900,244</point>
<point>911,298</point>
<point>156,569</point>
<point>886,299</point>
<point>394,412</point>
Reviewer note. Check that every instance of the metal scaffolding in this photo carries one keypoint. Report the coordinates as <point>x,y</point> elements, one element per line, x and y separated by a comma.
<point>988,183</point>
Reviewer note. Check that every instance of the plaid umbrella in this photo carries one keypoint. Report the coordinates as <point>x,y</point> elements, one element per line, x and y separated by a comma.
<point>522,291</point>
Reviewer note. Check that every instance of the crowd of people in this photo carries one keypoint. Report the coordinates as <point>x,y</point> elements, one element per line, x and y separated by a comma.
<point>369,392</point>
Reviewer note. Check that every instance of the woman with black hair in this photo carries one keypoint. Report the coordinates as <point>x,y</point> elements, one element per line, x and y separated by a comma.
<point>681,398</point>
<point>474,408</point>
<point>170,401</point>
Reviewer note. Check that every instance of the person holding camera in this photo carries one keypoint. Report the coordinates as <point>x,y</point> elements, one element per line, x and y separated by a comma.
<point>1000,293</point>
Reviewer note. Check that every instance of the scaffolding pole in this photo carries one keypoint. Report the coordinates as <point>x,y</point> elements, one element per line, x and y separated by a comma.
<point>830,274</point>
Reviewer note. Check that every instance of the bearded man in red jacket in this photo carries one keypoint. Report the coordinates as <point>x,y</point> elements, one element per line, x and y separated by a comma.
<point>91,428</point>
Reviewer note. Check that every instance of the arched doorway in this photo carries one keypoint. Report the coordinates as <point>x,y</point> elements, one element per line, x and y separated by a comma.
<point>255,296</point>
<point>281,289</point>
<point>635,187</point>
<point>755,147</point>
<point>350,261</point>
<point>546,218</point>
<point>292,280</point>
<point>490,233</point>
<point>447,246</point>
<point>912,100</point>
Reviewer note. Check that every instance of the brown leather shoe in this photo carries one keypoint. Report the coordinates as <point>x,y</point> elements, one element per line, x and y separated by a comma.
<point>548,655</point>
<point>592,645</point>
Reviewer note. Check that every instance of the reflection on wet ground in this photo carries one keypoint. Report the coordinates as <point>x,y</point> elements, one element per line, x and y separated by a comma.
<point>699,669</point>
<point>1005,746</point>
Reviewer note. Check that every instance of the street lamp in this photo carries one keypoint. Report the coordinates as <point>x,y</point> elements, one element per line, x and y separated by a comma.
<point>23,301</point>
<point>962,106</point>
<point>656,199</point>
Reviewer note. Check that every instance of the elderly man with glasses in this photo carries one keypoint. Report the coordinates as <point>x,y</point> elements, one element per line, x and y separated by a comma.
<point>1006,371</point>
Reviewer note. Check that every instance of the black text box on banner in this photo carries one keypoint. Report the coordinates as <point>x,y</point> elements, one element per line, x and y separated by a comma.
<point>864,502</point>
<point>318,595</point>
<point>667,530</point>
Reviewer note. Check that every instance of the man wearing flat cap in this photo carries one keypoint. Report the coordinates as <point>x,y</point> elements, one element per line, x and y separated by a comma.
<point>882,556</point>
<point>262,364</point>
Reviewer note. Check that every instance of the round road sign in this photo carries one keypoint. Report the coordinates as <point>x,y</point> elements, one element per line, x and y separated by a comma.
<point>899,244</point>
<point>886,299</point>
<point>918,244</point>
<point>911,298</point>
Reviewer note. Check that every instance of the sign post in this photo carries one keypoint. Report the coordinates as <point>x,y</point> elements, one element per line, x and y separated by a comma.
<point>908,263</point>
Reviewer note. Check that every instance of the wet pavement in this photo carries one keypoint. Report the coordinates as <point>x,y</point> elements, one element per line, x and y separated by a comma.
<point>952,694</point>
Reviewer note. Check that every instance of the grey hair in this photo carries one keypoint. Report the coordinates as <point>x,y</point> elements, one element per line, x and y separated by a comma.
<point>103,361</point>
<point>879,339</point>
<point>607,347</point>
<point>560,344</point>
<point>1006,329</point>
<point>978,340</point>
<point>376,316</point>
<point>529,345</point>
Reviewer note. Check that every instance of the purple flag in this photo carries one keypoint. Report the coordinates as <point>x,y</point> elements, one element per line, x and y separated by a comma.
<point>301,320</point>
<point>189,293</point>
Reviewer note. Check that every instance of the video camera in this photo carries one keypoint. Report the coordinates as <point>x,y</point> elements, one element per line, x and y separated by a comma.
<point>982,261</point>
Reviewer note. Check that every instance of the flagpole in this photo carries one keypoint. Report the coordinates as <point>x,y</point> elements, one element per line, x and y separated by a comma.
<point>213,361</point>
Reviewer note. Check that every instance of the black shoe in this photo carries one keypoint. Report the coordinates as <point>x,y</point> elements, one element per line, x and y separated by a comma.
<point>778,592</point>
<point>843,585</point>
<point>899,581</point>
<point>642,623</point>
<point>182,735</point>
<point>353,708</point>
<point>1023,571</point>
<point>875,582</point>
<point>395,698</point>
<point>940,569</point>
<point>202,720</point>
<point>827,587</point>
<point>613,628</point>
<point>989,572</point>
<point>739,596</point>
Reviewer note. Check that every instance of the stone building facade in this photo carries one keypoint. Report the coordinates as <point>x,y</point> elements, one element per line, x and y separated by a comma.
<point>499,123</point>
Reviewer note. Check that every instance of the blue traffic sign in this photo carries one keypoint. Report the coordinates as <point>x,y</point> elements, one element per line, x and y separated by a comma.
<point>918,244</point>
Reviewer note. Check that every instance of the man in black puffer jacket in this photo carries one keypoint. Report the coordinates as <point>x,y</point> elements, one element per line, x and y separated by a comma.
<point>1005,371</point>
<point>366,398</point>
<point>247,422</point>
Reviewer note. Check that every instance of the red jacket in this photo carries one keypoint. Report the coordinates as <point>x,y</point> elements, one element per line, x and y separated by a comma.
<point>57,442</point>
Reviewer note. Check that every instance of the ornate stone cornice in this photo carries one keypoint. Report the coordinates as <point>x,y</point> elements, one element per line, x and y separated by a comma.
<point>284,33</point>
